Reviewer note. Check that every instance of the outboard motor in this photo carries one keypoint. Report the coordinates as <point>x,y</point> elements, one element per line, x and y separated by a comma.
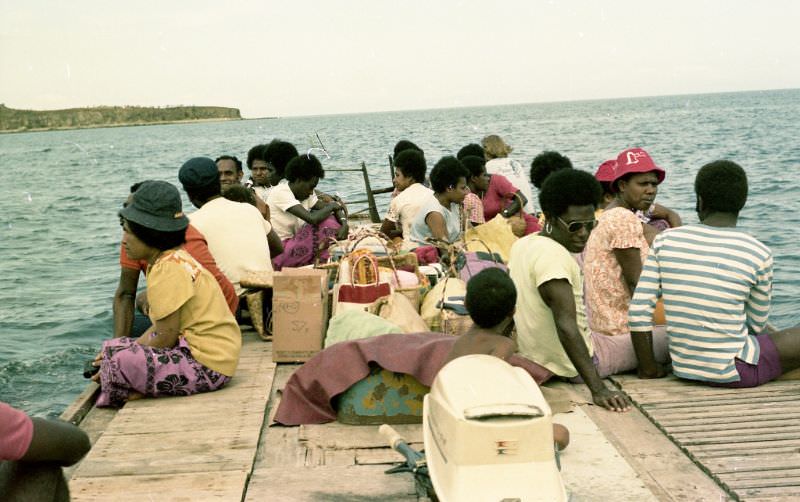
<point>488,434</point>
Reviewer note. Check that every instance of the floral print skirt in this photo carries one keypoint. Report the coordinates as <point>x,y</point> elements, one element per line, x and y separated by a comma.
<point>128,366</point>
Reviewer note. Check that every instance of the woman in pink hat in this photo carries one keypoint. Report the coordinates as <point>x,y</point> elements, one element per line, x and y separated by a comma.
<point>618,247</point>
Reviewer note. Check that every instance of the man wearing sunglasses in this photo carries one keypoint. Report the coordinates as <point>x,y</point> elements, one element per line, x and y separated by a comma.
<point>550,315</point>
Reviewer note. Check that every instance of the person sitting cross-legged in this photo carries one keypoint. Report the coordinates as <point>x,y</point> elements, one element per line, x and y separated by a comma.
<point>305,224</point>
<point>716,283</point>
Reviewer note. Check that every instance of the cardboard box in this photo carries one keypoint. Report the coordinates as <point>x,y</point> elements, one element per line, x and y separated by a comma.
<point>299,313</point>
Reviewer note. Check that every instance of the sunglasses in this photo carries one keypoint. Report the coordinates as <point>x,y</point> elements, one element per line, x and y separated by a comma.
<point>574,227</point>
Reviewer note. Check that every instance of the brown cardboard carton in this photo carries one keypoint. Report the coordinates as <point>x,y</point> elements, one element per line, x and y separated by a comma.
<point>299,313</point>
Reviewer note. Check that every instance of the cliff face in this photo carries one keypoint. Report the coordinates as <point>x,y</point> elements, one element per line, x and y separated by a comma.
<point>73,118</point>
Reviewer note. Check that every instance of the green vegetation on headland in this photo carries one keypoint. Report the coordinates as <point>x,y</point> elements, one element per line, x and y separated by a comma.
<point>12,120</point>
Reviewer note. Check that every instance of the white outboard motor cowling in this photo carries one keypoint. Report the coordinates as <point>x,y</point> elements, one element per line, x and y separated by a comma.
<point>488,434</point>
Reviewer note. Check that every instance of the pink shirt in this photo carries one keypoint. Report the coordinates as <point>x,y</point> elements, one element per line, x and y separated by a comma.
<point>16,432</point>
<point>607,298</point>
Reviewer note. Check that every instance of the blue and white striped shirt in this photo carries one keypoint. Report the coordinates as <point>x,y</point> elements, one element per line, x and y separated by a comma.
<point>717,285</point>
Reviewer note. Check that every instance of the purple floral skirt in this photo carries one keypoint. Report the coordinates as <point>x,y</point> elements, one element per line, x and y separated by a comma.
<point>128,367</point>
<point>301,249</point>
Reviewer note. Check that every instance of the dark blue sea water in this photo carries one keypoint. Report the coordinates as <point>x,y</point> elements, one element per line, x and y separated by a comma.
<point>60,192</point>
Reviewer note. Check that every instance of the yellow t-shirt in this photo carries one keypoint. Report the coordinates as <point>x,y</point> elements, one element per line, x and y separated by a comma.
<point>177,282</point>
<point>535,260</point>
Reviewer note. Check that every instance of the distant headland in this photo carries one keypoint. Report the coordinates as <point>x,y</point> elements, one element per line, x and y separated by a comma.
<point>12,120</point>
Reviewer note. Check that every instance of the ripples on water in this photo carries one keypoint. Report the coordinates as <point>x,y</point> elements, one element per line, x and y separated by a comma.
<point>60,191</point>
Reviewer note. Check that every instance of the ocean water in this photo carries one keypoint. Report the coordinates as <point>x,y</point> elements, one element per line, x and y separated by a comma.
<point>60,192</point>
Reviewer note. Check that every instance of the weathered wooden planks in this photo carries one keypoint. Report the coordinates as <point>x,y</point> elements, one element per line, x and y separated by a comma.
<point>748,439</point>
<point>330,483</point>
<point>198,447</point>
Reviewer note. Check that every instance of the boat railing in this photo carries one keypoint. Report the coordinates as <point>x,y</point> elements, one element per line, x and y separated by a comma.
<point>371,206</point>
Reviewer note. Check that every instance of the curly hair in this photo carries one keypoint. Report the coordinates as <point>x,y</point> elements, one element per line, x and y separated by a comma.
<point>412,164</point>
<point>446,173</point>
<point>568,187</point>
<point>304,167</point>
<point>473,149</point>
<point>279,153</point>
<point>491,297</point>
<point>722,185</point>
<point>545,164</point>
<point>404,145</point>
<point>475,165</point>
<point>255,153</point>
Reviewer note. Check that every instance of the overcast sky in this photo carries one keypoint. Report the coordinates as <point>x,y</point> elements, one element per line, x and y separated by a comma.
<point>300,57</point>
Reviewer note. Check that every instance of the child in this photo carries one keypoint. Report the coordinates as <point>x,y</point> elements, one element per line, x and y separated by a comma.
<point>490,301</point>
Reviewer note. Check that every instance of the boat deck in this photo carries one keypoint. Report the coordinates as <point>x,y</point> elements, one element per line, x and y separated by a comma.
<point>219,446</point>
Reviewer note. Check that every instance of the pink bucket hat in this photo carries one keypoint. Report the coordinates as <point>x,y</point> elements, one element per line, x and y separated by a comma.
<point>635,160</point>
<point>606,171</point>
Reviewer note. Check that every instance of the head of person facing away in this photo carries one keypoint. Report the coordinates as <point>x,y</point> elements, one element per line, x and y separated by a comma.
<point>568,199</point>
<point>230,170</point>
<point>257,165</point>
<point>491,297</point>
<point>239,193</point>
<point>473,149</point>
<point>277,155</point>
<point>494,147</point>
<point>409,168</point>
<point>200,179</point>
<point>721,189</point>
<point>404,145</point>
<point>303,174</point>
<point>545,164</point>
<point>449,180</point>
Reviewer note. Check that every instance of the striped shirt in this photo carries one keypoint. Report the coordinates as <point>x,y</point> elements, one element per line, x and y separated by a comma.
<point>716,284</point>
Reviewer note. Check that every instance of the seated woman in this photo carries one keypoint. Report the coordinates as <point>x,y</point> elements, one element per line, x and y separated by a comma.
<point>496,196</point>
<point>194,342</point>
<point>409,173</point>
<point>439,218</point>
<point>657,218</point>
<point>303,222</point>
<point>497,162</point>
<point>550,318</point>
<point>618,247</point>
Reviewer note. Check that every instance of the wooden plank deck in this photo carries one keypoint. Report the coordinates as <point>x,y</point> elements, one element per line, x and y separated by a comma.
<point>746,439</point>
<point>199,447</point>
<point>219,446</point>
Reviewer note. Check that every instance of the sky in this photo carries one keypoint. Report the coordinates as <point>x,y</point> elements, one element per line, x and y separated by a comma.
<point>298,57</point>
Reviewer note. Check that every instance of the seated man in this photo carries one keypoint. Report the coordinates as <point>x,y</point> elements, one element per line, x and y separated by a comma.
<point>32,451</point>
<point>239,239</point>
<point>550,317</point>
<point>490,301</point>
<point>409,173</point>
<point>716,282</point>
<point>127,323</point>
<point>230,175</point>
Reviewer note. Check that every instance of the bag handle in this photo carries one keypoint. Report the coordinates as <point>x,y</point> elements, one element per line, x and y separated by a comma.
<point>366,255</point>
